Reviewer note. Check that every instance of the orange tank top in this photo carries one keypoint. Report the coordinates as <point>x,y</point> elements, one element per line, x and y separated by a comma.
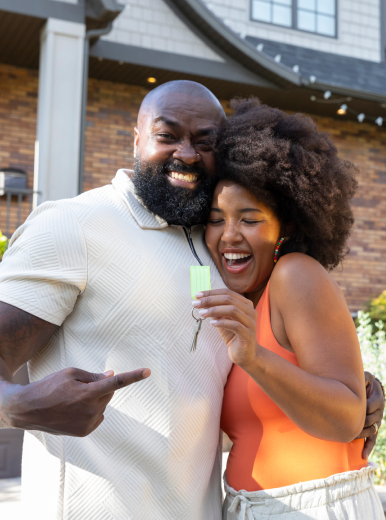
<point>269,450</point>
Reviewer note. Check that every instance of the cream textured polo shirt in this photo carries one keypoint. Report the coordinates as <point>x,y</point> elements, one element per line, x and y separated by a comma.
<point>116,279</point>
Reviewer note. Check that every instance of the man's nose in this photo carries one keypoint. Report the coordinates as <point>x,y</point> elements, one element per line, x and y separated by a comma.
<point>186,153</point>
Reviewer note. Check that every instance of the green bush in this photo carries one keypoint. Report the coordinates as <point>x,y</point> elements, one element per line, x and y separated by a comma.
<point>3,244</point>
<point>372,339</point>
<point>376,309</point>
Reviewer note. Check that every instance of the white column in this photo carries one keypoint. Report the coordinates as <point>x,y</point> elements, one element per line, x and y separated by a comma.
<point>59,109</point>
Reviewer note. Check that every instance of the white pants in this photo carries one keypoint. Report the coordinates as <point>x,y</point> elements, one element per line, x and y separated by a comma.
<point>345,496</point>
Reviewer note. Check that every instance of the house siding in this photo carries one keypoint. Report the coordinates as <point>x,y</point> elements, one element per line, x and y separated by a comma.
<point>359,30</point>
<point>153,25</point>
<point>111,116</point>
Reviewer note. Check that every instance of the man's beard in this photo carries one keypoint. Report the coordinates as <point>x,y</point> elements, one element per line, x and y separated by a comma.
<point>178,206</point>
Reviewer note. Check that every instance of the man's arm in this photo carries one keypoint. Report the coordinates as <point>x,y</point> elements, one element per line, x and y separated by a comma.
<point>69,402</point>
<point>374,413</point>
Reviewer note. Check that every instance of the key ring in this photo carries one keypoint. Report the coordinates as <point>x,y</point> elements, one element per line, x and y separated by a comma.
<point>197,319</point>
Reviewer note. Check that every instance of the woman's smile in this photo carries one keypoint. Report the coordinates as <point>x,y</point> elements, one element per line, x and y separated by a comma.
<point>235,260</point>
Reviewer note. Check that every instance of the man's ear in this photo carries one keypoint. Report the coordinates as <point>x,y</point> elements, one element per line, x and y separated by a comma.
<point>136,140</point>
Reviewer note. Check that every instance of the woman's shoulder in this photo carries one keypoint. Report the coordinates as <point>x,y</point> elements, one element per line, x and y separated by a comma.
<point>301,275</point>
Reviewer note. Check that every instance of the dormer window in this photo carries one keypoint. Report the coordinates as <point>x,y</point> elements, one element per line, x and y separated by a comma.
<point>316,16</point>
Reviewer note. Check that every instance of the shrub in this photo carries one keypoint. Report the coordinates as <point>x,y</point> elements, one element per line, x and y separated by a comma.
<point>372,339</point>
<point>3,244</point>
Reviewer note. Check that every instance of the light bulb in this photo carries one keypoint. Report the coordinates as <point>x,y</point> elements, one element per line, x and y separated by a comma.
<point>342,110</point>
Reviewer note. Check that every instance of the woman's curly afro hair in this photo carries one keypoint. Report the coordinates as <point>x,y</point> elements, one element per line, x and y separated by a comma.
<point>286,163</point>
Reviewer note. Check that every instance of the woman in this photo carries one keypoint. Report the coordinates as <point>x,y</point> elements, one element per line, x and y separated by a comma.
<point>294,400</point>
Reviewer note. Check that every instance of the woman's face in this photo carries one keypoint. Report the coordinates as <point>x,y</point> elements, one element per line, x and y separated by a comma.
<point>241,235</point>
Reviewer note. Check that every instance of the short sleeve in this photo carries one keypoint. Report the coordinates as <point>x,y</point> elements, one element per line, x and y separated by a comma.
<point>44,269</point>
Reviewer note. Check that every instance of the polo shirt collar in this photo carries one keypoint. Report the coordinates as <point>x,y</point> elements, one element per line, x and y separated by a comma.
<point>144,218</point>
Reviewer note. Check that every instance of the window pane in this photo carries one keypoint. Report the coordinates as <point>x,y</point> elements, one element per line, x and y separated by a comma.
<point>283,2</point>
<point>306,20</point>
<point>308,4</point>
<point>261,11</point>
<point>326,6</point>
<point>325,25</point>
<point>282,15</point>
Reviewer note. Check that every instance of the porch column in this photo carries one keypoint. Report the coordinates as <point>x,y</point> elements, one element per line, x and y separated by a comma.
<point>59,109</point>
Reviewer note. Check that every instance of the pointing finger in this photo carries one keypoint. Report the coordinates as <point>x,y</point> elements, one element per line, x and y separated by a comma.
<point>113,383</point>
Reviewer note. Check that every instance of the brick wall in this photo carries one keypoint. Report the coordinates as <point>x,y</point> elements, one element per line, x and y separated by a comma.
<point>18,105</point>
<point>111,116</point>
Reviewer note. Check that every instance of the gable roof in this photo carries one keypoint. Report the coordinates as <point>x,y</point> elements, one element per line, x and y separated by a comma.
<point>348,76</point>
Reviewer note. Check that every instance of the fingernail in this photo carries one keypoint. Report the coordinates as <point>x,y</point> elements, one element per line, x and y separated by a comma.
<point>109,373</point>
<point>202,312</point>
<point>196,303</point>
<point>213,322</point>
<point>146,372</point>
<point>199,294</point>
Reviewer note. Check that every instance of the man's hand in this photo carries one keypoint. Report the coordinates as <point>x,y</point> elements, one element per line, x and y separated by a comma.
<point>70,402</point>
<point>374,414</point>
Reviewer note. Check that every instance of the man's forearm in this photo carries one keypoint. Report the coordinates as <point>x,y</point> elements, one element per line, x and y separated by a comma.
<point>6,385</point>
<point>22,335</point>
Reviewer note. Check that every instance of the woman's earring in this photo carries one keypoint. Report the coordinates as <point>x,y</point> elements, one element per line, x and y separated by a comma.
<point>279,243</point>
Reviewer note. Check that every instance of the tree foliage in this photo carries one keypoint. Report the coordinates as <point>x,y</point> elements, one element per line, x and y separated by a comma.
<point>372,338</point>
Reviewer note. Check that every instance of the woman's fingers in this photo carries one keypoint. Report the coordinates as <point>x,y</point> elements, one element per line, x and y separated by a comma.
<point>224,292</point>
<point>218,300</point>
<point>228,311</point>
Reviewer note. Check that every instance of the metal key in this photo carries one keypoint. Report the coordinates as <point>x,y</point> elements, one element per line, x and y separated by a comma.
<point>196,331</point>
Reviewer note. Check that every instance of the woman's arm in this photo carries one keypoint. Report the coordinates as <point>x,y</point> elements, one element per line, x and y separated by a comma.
<point>325,395</point>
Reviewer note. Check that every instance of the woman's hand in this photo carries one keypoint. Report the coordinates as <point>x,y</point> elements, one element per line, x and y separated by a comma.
<point>235,318</point>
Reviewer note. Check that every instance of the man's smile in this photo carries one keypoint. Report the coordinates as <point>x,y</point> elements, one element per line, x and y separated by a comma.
<point>183,180</point>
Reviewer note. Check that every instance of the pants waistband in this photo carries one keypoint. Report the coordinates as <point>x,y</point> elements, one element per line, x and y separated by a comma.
<point>303,495</point>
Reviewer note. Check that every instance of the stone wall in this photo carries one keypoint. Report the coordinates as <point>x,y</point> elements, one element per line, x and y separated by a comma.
<point>111,116</point>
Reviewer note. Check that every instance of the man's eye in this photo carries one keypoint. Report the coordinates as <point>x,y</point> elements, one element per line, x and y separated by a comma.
<point>166,136</point>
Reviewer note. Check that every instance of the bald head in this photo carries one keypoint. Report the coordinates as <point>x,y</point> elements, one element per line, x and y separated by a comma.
<point>184,90</point>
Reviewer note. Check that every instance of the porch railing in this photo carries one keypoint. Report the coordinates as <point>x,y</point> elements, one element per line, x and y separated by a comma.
<point>15,206</point>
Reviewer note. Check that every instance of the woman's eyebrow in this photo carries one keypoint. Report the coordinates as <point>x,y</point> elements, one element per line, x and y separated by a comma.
<point>216,209</point>
<point>245,210</point>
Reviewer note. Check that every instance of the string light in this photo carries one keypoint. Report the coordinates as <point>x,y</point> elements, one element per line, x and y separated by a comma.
<point>344,108</point>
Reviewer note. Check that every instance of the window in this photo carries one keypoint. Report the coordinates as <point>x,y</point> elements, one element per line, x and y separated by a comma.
<point>317,16</point>
<point>273,11</point>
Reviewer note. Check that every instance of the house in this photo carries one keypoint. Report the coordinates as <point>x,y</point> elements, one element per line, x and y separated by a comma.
<point>73,74</point>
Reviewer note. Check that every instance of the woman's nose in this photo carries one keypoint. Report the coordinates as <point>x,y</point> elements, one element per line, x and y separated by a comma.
<point>232,234</point>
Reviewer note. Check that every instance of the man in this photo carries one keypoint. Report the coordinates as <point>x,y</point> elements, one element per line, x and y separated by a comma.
<point>99,283</point>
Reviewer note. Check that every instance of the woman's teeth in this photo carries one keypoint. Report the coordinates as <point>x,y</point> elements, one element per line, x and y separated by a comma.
<point>235,256</point>
<point>186,178</point>
<point>236,259</point>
